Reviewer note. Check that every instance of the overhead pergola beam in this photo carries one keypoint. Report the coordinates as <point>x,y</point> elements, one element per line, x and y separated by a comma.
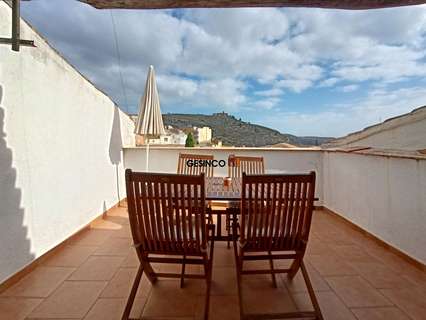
<point>330,4</point>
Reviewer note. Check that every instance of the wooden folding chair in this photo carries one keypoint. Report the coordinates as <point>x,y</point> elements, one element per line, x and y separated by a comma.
<point>185,159</point>
<point>276,214</point>
<point>250,165</point>
<point>236,166</point>
<point>167,214</point>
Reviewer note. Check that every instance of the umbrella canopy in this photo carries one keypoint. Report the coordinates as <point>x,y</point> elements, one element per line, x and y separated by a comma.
<point>150,121</point>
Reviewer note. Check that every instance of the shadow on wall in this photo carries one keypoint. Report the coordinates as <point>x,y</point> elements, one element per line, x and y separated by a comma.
<point>115,147</point>
<point>14,243</point>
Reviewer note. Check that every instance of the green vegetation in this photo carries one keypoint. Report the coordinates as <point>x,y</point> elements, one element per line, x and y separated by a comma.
<point>235,132</point>
<point>189,141</point>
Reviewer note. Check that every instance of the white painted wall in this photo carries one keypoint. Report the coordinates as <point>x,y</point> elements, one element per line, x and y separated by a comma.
<point>60,147</point>
<point>410,136</point>
<point>384,195</point>
<point>406,132</point>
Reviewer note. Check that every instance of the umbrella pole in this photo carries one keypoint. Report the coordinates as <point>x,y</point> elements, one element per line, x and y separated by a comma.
<point>147,157</point>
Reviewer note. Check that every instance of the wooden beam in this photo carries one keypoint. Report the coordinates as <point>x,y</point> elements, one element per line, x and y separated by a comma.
<point>332,4</point>
<point>16,22</point>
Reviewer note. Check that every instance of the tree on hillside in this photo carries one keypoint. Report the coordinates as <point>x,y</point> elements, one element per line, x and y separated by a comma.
<point>189,143</point>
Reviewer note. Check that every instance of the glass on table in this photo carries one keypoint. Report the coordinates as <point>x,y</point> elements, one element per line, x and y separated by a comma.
<point>226,182</point>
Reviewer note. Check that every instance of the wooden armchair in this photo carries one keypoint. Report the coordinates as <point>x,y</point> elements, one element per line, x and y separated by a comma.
<point>276,214</point>
<point>167,214</point>
<point>183,167</point>
<point>237,165</point>
<point>250,165</point>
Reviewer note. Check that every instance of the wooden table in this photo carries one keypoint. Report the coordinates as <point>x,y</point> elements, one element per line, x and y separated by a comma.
<point>217,191</point>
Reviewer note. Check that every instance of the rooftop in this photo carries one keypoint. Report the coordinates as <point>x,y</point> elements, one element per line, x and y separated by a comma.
<point>90,277</point>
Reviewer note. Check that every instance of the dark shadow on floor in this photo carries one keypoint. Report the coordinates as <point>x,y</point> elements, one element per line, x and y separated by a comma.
<point>15,248</point>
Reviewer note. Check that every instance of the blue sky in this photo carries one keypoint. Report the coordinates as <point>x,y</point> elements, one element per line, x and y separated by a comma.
<point>301,71</point>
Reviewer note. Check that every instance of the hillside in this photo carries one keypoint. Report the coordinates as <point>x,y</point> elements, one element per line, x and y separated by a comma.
<point>235,132</point>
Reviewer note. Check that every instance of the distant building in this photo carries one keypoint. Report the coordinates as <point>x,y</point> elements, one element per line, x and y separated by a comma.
<point>173,136</point>
<point>202,135</point>
<point>404,132</point>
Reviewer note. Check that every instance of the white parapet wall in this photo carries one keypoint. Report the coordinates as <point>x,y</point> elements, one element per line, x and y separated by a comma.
<point>60,150</point>
<point>383,195</point>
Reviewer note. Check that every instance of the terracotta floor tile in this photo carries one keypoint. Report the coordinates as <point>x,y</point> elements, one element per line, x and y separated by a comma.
<point>331,265</point>
<point>297,284</point>
<point>70,256</point>
<point>104,224</point>
<point>120,285</point>
<point>117,219</point>
<point>410,301</point>
<point>380,276</point>
<point>123,232</point>
<point>112,309</point>
<point>224,281</point>
<point>335,238</point>
<point>352,253</point>
<point>416,276</point>
<point>387,313</point>
<point>167,299</point>
<point>339,261</point>
<point>72,299</point>
<point>115,247</point>
<point>317,248</point>
<point>224,308</point>
<point>177,268</point>
<point>357,292</point>
<point>260,297</point>
<point>91,237</point>
<point>17,308</point>
<point>97,268</point>
<point>391,260</point>
<point>106,309</point>
<point>332,307</point>
<point>39,283</point>
<point>223,257</point>
<point>132,260</point>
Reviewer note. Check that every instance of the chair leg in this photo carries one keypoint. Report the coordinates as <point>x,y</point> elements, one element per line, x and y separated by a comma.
<point>311,291</point>
<point>228,227</point>
<point>209,279</point>
<point>238,263</point>
<point>150,274</point>
<point>294,268</point>
<point>271,265</point>
<point>132,295</point>
<point>182,275</point>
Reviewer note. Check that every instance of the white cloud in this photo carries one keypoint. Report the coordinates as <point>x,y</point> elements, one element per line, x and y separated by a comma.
<point>237,59</point>
<point>348,88</point>
<point>267,103</point>
<point>328,82</point>
<point>274,92</point>
<point>340,120</point>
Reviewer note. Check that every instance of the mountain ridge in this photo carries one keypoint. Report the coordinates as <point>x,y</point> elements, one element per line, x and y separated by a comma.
<point>236,132</point>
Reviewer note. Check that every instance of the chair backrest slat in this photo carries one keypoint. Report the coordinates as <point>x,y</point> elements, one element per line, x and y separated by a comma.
<point>276,210</point>
<point>167,212</point>
<point>184,168</point>
<point>250,165</point>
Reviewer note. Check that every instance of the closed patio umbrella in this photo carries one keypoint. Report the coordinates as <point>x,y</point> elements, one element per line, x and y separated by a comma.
<point>150,122</point>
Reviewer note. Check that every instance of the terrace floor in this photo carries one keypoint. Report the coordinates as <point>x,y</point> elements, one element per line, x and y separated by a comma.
<point>90,278</point>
